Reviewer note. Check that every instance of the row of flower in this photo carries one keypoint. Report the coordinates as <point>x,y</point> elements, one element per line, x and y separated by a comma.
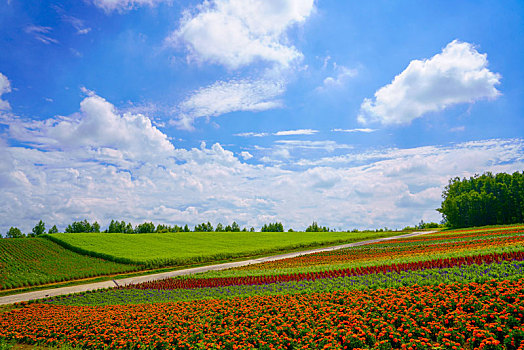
<point>485,316</point>
<point>188,283</point>
<point>507,270</point>
<point>424,245</point>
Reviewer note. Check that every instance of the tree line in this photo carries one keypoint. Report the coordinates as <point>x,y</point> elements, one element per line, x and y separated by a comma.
<point>116,226</point>
<point>484,200</point>
<point>147,227</point>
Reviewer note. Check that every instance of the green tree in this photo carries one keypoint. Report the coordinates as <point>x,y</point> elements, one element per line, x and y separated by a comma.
<point>204,227</point>
<point>95,227</point>
<point>484,200</point>
<point>53,229</point>
<point>273,227</point>
<point>39,228</point>
<point>315,228</point>
<point>14,232</point>
<point>82,226</point>
<point>235,227</point>
<point>177,228</point>
<point>146,227</point>
<point>128,228</point>
<point>163,228</point>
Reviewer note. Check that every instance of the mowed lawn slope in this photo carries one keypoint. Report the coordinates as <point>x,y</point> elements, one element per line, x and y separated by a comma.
<point>163,249</point>
<point>34,261</point>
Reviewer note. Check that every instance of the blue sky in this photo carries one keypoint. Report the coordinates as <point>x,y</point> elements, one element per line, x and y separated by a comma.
<point>351,114</point>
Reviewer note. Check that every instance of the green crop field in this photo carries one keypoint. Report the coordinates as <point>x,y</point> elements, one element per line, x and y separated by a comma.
<point>171,249</point>
<point>34,261</point>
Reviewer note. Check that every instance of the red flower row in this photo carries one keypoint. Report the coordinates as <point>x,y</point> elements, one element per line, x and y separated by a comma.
<point>188,283</point>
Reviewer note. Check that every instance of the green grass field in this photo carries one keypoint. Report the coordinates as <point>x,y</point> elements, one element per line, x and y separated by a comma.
<point>172,249</point>
<point>34,261</point>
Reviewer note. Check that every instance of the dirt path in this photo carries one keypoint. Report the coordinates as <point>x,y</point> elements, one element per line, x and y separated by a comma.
<point>11,299</point>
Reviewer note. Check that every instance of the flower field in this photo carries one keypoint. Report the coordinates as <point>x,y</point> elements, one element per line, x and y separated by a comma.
<point>453,290</point>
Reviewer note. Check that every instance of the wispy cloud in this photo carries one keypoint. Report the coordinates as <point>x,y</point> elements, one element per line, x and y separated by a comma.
<point>458,129</point>
<point>339,79</point>
<point>124,5</point>
<point>278,133</point>
<point>78,24</point>
<point>40,33</point>
<point>225,97</point>
<point>366,130</point>
<point>252,134</point>
<point>326,145</point>
<point>296,132</point>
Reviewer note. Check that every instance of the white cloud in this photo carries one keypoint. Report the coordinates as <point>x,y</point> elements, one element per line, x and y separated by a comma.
<point>458,74</point>
<point>252,134</point>
<point>99,175</point>
<point>296,132</point>
<point>235,33</point>
<point>278,133</point>
<point>342,75</point>
<point>228,96</point>
<point>40,33</point>
<point>458,129</point>
<point>366,130</point>
<point>5,87</point>
<point>99,126</point>
<point>246,155</point>
<point>327,145</point>
<point>123,5</point>
<point>77,23</point>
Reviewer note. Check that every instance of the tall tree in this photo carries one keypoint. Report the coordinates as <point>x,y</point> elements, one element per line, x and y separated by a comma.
<point>39,228</point>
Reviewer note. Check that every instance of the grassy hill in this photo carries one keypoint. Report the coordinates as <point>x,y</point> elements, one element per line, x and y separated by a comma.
<point>171,249</point>
<point>34,261</point>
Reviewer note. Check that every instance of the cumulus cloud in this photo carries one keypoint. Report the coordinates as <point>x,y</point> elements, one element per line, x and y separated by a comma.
<point>235,33</point>
<point>99,126</point>
<point>5,87</point>
<point>394,189</point>
<point>84,167</point>
<point>458,74</point>
<point>123,5</point>
<point>228,96</point>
